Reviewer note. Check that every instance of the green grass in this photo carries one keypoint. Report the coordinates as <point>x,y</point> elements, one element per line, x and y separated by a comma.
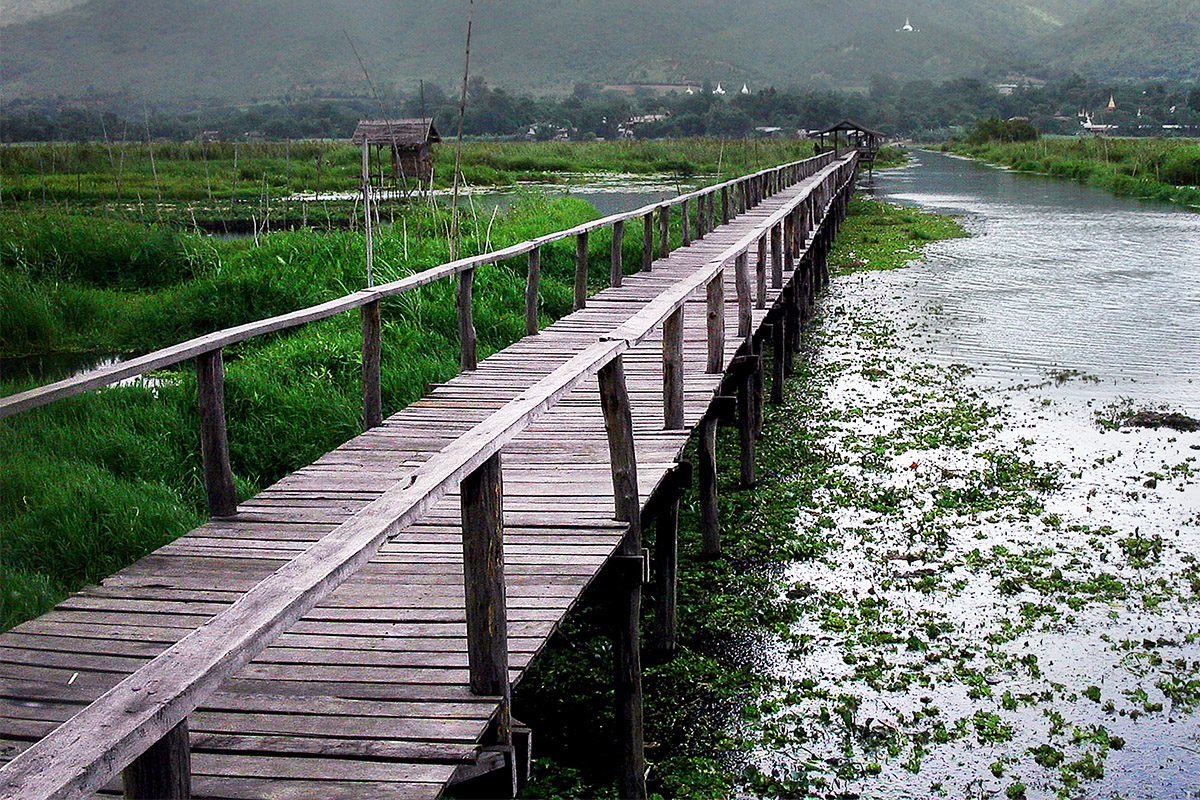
<point>188,182</point>
<point>878,236</point>
<point>1155,169</point>
<point>93,482</point>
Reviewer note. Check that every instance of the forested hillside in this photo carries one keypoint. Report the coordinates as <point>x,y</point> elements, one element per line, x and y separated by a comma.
<point>243,49</point>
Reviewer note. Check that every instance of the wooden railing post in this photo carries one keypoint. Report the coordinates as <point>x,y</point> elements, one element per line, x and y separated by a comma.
<point>664,231</point>
<point>482,498</point>
<point>685,233</point>
<point>214,441</point>
<point>760,273</point>
<point>724,205</point>
<point>647,241</point>
<point>616,258</point>
<point>581,270</point>
<point>673,370</point>
<point>164,771</point>
<point>741,274</point>
<point>372,345</point>
<point>531,291</point>
<point>466,319</point>
<point>777,256</point>
<point>716,324</point>
<point>627,595</point>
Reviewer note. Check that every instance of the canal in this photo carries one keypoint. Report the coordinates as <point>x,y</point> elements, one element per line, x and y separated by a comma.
<point>1008,602</point>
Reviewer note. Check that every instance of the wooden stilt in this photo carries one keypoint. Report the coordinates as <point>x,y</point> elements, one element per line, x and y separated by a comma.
<point>746,427</point>
<point>685,233</point>
<point>627,594</point>
<point>164,771</point>
<point>710,526</point>
<point>777,347</point>
<point>673,371</point>
<point>716,325</point>
<point>666,576</point>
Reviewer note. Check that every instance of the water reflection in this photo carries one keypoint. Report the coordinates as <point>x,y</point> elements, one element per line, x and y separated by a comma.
<point>1059,275</point>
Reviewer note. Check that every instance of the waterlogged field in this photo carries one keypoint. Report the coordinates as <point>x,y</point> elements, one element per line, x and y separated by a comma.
<point>193,183</point>
<point>1159,169</point>
<point>1007,602</point>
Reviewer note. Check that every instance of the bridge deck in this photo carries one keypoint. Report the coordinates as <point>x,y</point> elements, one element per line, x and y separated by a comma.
<point>367,695</point>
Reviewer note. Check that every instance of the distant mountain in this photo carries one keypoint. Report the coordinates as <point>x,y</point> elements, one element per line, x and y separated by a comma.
<point>1129,38</point>
<point>239,49</point>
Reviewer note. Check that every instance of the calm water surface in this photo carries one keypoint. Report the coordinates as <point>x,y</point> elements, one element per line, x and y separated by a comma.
<point>1060,275</point>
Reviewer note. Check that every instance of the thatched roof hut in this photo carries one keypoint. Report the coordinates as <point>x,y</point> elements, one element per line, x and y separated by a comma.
<point>850,134</point>
<point>410,141</point>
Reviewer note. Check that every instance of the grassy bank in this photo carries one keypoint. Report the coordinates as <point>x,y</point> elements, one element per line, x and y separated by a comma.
<point>1157,169</point>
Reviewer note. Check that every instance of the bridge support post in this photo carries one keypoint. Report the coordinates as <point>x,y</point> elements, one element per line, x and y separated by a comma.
<point>616,265</point>
<point>214,440</point>
<point>164,770</point>
<point>710,526</point>
<point>647,241</point>
<point>777,360</point>
<point>724,205</point>
<point>788,318</point>
<point>466,320</point>
<point>685,233</point>
<point>757,386</point>
<point>531,291</point>
<point>372,344</point>
<point>627,594</point>
<point>701,204</point>
<point>746,426</point>
<point>665,508</point>
<point>581,270</point>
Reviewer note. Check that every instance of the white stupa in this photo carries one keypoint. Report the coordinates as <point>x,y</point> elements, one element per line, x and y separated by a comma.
<point>690,91</point>
<point>718,90</point>
<point>908,28</point>
<point>745,89</point>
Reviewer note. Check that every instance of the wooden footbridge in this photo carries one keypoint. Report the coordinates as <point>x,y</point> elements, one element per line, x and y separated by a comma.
<point>354,630</point>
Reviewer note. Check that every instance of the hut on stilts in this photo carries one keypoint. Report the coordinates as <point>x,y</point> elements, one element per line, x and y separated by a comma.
<point>410,143</point>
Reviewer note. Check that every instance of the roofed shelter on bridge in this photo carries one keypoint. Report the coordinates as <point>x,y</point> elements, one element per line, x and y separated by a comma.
<point>410,141</point>
<point>850,134</point>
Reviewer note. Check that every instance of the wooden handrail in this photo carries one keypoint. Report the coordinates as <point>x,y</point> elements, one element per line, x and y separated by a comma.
<point>80,756</point>
<point>177,353</point>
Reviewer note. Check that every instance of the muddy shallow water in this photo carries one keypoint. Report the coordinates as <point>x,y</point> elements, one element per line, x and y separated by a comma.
<point>1011,607</point>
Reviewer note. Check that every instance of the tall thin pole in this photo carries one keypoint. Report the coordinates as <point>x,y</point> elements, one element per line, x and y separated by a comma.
<point>462,113</point>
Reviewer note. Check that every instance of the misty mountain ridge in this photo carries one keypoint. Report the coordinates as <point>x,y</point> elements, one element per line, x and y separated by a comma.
<point>238,49</point>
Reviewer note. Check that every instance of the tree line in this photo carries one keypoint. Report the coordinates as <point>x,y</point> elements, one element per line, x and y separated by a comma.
<point>917,109</point>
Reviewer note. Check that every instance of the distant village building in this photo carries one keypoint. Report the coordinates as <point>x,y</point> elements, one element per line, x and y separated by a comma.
<point>410,142</point>
<point>768,131</point>
<point>205,137</point>
<point>625,131</point>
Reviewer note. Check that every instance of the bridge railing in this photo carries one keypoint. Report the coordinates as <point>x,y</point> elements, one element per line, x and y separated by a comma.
<point>139,727</point>
<point>710,205</point>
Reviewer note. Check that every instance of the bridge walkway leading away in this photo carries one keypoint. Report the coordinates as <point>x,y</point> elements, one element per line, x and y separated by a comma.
<point>368,694</point>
